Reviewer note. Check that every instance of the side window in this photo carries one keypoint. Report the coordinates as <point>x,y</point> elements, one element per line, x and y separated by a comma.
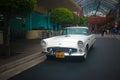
<point>89,33</point>
<point>85,32</point>
<point>64,32</point>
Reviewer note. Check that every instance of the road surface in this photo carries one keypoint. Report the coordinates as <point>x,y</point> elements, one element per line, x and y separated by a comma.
<point>103,63</point>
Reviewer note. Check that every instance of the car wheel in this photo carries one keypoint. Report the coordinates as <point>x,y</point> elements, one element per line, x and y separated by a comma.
<point>85,56</point>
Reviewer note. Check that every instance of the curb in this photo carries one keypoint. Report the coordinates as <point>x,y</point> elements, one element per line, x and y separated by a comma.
<point>118,37</point>
<point>16,67</point>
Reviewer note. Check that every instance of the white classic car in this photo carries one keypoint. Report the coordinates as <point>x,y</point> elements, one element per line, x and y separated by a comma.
<point>74,41</point>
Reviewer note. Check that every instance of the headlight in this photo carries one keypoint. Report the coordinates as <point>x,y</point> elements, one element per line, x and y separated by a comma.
<point>80,44</point>
<point>43,43</point>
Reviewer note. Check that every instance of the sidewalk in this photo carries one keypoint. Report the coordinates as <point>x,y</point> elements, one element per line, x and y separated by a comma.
<point>27,53</point>
<point>108,36</point>
<point>22,48</point>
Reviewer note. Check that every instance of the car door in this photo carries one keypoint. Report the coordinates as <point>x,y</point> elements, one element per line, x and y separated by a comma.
<point>92,39</point>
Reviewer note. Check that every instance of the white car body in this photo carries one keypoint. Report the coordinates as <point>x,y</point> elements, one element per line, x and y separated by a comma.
<point>67,45</point>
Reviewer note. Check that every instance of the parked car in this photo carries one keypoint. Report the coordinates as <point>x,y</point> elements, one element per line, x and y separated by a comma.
<point>74,41</point>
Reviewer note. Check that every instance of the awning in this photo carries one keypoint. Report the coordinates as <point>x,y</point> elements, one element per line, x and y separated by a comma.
<point>51,4</point>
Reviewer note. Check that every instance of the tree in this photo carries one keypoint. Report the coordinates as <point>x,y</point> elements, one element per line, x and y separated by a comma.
<point>85,21</point>
<point>9,7</point>
<point>61,16</point>
<point>80,21</point>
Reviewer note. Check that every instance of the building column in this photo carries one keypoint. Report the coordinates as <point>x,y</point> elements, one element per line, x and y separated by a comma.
<point>30,21</point>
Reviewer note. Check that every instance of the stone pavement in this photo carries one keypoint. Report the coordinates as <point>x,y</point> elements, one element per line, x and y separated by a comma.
<point>108,36</point>
<point>25,54</point>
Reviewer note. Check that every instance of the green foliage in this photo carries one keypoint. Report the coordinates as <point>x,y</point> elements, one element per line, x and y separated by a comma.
<point>77,20</point>
<point>61,16</point>
<point>22,5</point>
<point>8,7</point>
<point>81,21</point>
<point>85,22</point>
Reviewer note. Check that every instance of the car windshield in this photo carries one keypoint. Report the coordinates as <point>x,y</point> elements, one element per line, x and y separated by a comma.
<point>78,31</point>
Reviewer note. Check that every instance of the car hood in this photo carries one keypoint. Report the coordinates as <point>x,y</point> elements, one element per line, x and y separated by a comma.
<point>65,40</point>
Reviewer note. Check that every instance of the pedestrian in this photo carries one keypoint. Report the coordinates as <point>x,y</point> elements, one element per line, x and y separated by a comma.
<point>107,31</point>
<point>102,32</point>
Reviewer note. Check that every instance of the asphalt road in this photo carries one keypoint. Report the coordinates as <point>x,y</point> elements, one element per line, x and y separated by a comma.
<point>103,63</point>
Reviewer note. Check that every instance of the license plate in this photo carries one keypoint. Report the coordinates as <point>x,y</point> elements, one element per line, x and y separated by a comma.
<point>60,55</point>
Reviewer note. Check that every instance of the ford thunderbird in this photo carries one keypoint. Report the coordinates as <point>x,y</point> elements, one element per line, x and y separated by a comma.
<point>74,41</point>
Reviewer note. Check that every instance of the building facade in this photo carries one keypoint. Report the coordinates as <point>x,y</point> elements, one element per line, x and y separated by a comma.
<point>37,20</point>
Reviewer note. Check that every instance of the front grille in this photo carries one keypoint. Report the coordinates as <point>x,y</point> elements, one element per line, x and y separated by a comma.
<point>61,49</point>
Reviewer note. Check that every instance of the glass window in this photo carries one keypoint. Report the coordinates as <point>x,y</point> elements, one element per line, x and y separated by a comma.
<point>78,31</point>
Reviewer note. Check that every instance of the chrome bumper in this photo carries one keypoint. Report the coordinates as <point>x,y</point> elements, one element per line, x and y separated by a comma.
<point>65,54</point>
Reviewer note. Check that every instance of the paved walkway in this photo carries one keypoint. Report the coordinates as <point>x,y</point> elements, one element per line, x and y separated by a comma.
<point>21,48</point>
<point>108,36</point>
<point>24,54</point>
